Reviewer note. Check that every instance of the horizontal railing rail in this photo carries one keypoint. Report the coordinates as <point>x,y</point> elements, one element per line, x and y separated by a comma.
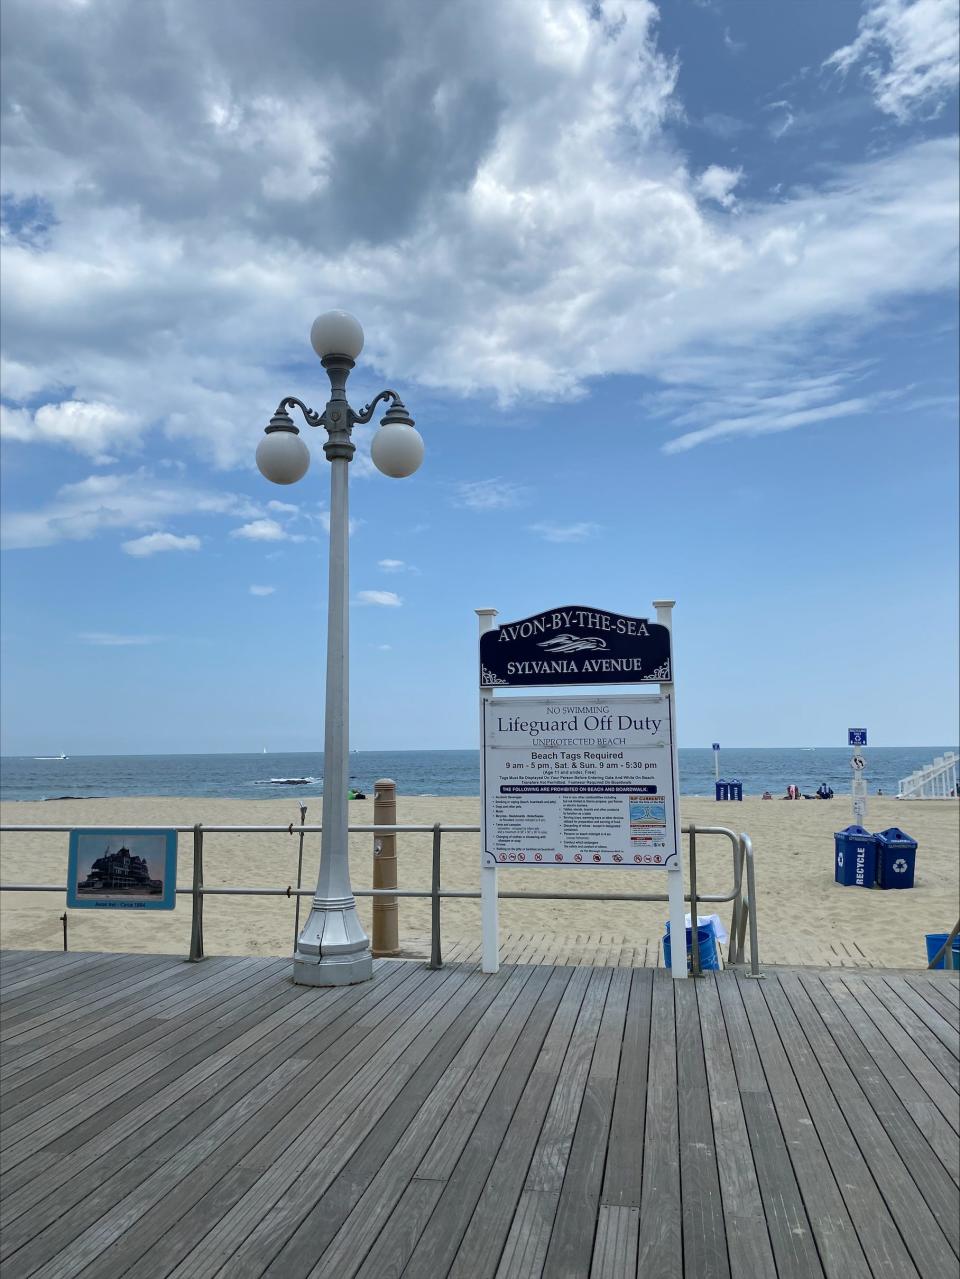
<point>744,912</point>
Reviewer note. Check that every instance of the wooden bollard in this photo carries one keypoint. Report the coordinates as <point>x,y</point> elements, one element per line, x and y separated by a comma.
<point>385,926</point>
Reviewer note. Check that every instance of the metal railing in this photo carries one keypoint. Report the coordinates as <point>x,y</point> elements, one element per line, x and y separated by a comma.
<point>742,895</point>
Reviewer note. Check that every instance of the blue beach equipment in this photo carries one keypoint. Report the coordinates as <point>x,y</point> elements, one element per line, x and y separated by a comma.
<point>855,857</point>
<point>706,945</point>
<point>896,858</point>
<point>950,958</point>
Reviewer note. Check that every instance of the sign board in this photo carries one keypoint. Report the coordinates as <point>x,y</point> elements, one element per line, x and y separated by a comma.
<point>579,782</point>
<point>716,746</point>
<point>114,869</point>
<point>856,737</point>
<point>575,645</point>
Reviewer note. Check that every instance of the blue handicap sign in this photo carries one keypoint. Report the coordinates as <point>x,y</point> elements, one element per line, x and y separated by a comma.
<point>856,737</point>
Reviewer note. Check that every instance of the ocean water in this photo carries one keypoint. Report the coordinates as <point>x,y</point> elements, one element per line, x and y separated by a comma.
<point>270,776</point>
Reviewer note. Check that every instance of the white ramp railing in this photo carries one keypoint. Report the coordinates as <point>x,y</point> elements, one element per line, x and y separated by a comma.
<point>936,781</point>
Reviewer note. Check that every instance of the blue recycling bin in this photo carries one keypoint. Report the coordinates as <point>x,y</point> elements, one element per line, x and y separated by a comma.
<point>736,788</point>
<point>722,789</point>
<point>855,857</point>
<point>896,858</point>
<point>950,958</point>
<point>706,945</point>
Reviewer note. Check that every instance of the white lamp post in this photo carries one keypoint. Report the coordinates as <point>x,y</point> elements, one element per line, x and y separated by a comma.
<point>333,949</point>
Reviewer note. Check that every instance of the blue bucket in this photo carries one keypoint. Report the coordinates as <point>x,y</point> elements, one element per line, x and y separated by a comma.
<point>707,945</point>
<point>935,941</point>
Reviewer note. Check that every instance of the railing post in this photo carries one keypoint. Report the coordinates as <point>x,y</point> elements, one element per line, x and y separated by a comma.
<point>386,940</point>
<point>752,908</point>
<point>196,921</point>
<point>694,940</point>
<point>63,920</point>
<point>733,955</point>
<point>436,959</point>
<point>296,909</point>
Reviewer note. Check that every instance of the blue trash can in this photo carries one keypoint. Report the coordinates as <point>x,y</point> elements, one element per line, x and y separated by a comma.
<point>736,788</point>
<point>855,857</point>
<point>706,944</point>
<point>722,789</point>
<point>950,958</point>
<point>896,858</point>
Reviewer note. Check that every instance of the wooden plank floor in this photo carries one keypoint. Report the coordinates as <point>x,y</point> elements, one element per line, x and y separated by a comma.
<point>162,1118</point>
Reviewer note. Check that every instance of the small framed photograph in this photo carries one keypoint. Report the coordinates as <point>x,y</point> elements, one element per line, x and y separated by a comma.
<point>122,869</point>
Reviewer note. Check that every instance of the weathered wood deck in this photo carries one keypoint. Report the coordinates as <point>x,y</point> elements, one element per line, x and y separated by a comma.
<point>161,1118</point>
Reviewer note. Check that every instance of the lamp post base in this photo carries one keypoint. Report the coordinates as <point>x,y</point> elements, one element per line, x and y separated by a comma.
<point>332,970</point>
<point>333,949</point>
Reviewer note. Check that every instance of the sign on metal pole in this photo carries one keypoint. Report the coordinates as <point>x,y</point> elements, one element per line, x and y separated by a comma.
<point>115,869</point>
<point>857,737</point>
<point>716,761</point>
<point>575,645</point>
<point>579,782</point>
<point>573,781</point>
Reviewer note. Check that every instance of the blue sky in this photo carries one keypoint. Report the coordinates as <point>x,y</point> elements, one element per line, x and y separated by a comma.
<point>670,291</point>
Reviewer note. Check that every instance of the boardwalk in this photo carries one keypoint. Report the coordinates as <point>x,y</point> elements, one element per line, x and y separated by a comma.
<point>161,1118</point>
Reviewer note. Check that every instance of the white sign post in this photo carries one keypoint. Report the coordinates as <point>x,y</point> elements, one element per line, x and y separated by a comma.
<point>857,737</point>
<point>587,782</point>
<point>716,761</point>
<point>489,902</point>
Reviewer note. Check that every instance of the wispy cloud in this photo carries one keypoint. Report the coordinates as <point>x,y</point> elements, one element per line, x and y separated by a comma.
<point>717,183</point>
<point>137,501</point>
<point>265,530</point>
<point>909,51</point>
<point>262,590</point>
<point>385,599</point>
<point>397,566</point>
<point>154,543</point>
<point>104,639</point>
<point>566,532</point>
<point>490,495</point>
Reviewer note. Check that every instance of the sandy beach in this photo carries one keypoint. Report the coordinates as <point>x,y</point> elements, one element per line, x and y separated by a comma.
<point>804,917</point>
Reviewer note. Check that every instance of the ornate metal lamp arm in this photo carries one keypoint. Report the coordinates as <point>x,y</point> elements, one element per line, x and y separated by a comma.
<point>313,418</point>
<point>396,413</point>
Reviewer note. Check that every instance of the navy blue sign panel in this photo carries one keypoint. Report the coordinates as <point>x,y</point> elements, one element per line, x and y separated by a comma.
<point>716,746</point>
<point>575,645</point>
<point>856,737</point>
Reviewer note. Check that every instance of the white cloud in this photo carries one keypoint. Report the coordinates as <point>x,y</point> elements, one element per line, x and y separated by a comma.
<point>580,532</point>
<point>152,543</point>
<point>487,257</point>
<point>397,566</point>
<point>717,183</point>
<point>103,639</point>
<point>262,590</point>
<point>490,495</point>
<point>283,508</point>
<point>264,530</point>
<point>386,599</point>
<point>910,53</point>
<point>136,501</point>
<point>96,430</point>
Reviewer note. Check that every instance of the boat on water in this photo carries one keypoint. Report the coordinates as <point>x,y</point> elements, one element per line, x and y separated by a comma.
<point>60,756</point>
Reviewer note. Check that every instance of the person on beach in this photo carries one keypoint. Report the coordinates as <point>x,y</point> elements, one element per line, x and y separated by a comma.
<point>766,795</point>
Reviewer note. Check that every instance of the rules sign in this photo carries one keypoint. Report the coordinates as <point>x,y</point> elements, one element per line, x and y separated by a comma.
<point>579,782</point>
